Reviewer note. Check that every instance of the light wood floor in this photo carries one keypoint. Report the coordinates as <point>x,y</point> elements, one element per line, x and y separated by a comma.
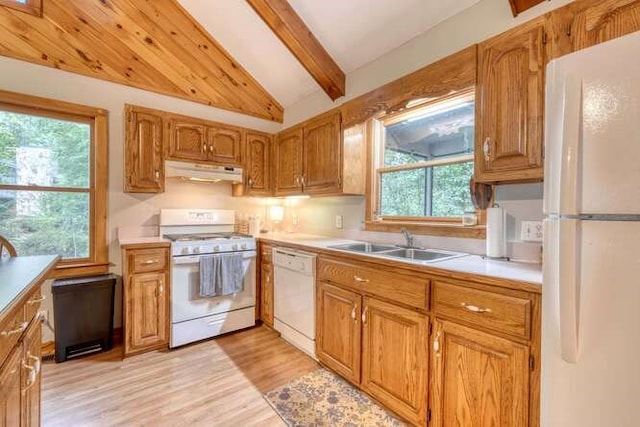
<point>219,382</point>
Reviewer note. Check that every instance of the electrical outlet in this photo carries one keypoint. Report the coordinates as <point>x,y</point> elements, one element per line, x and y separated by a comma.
<point>338,221</point>
<point>531,231</point>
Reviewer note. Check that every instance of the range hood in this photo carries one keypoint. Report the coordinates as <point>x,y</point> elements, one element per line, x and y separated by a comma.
<point>197,172</point>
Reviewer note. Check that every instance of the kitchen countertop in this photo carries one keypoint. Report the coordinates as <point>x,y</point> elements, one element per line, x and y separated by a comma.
<point>530,274</point>
<point>137,241</point>
<point>18,274</point>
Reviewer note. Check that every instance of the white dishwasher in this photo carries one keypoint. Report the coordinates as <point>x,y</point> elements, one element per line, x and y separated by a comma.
<point>294,297</point>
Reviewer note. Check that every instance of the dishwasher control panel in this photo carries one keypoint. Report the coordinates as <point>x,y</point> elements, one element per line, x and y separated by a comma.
<point>301,262</point>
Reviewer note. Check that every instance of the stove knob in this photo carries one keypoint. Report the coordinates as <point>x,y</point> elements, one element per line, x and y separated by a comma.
<point>244,246</point>
<point>196,250</point>
<point>185,251</point>
<point>234,247</point>
<point>216,248</point>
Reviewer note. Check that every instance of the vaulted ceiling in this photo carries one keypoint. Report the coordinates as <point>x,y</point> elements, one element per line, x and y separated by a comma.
<point>252,57</point>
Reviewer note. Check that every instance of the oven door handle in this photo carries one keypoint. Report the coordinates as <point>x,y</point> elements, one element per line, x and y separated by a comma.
<point>195,259</point>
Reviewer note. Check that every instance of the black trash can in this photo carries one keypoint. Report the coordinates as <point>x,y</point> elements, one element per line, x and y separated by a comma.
<point>83,315</point>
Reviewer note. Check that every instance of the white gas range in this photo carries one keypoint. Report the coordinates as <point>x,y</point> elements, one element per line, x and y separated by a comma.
<point>195,233</point>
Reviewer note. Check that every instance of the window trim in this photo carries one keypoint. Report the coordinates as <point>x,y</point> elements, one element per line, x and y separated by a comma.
<point>439,226</point>
<point>33,7</point>
<point>98,260</point>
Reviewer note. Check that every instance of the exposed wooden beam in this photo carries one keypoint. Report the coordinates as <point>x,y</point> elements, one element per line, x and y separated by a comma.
<point>294,33</point>
<point>519,6</point>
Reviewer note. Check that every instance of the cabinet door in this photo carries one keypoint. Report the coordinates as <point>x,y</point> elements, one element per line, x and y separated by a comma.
<point>395,358</point>
<point>338,332</point>
<point>257,164</point>
<point>144,172</point>
<point>225,145</point>
<point>10,411</point>
<point>322,156</point>
<point>477,379</point>
<point>147,312</point>
<point>31,375</point>
<point>266,298</point>
<point>510,105</point>
<point>288,163</point>
<point>187,141</point>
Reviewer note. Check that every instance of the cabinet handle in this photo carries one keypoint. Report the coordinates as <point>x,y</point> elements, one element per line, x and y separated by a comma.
<point>157,174</point>
<point>33,372</point>
<point>364,315</point>
<point>18,330</point>
<point>297,181</point>
<point>436,343</point>
<point>360,279</point>
<point>211,148</point>
<point>204,148</point>
<point>37,300</point>
<point>160,288</point>
<point>250,182</point>
<point>149,262</point>
<point>486,149</point>
<point>353,312</point>
<point>475,308</point>
<point>303,180</point>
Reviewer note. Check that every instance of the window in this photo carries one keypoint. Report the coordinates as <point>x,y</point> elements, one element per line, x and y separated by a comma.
<point>423,161</point>
<point>33,7</point>
<point>53,179</point>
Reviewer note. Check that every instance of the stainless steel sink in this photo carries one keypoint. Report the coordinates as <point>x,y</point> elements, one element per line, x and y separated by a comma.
<point>364,247</point>
<point>424,255</point>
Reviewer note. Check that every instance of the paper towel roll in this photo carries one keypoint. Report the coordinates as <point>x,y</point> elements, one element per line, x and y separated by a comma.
<point>496,233</point>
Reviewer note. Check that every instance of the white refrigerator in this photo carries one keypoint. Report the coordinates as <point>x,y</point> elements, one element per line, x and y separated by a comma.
<point>591,283</point>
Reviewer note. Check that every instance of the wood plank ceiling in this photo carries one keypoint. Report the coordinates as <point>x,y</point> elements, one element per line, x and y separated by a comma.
<point>151,45</point>
<point>296,36</point>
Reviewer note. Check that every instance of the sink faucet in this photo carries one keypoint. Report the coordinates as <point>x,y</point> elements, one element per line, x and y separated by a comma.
<point>408,237</point>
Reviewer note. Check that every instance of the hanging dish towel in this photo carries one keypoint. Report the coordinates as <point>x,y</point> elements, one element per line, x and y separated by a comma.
<point>220,275</point>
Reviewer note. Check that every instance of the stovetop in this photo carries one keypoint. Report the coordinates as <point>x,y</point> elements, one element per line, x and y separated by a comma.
<point>205,236</point>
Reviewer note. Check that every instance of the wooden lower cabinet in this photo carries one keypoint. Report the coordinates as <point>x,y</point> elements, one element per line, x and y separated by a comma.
<point>30,376</point>
<point>477,379</point>
<point>395,358</point>
<point>338,332</point>
<point>10,410</point>
<point>379,346</point>
<point>146,298</point>
<point>266,293</point>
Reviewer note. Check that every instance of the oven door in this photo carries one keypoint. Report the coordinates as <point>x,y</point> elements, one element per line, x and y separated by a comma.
<point>186,303</point>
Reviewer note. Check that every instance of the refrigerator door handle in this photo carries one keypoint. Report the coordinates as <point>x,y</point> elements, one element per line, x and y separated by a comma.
<point>570,164</point>
<point>569,287</point>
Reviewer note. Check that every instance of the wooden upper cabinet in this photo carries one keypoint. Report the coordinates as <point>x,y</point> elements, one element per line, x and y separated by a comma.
<point>322,156</point>
<point>585,23</point>
<point>338,333</point>
<point>477,379</point>
<point>395,358</point>
<point>257,165</point>
<point>143,163</point>
<point>288,162</point>
<point>224,145</point>
<point>187,141</point>
<point>510,105</point>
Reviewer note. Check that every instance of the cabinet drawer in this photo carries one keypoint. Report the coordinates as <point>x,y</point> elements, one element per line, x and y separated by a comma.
<point>143,260</point>
<point>11,329</point>
<point>399,287</point>
<point>497,312</point>
<point>32,305</point>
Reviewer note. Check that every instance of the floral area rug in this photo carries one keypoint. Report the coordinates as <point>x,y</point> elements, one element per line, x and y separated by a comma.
<point>321,398</point>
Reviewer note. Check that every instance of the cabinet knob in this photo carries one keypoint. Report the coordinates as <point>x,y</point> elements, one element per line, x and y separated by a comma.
<point>486,148</point>
<point>157,174</point>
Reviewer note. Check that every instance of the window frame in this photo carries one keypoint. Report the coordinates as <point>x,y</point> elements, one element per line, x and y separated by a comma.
<point>97,262</point>
<point>33,7</point>
<point>442,226</point>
